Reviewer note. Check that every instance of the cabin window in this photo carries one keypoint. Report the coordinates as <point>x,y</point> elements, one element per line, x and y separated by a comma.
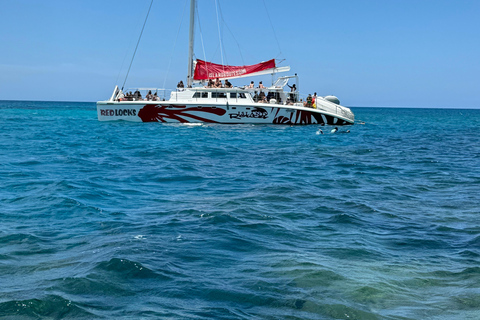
<point>233,95</point>
<point>219,95</point>
<point>200,94</point>
<point>242,95</point>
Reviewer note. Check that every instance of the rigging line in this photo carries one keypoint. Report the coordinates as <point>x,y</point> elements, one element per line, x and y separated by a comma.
<point>219,34</point>
<point>201,36</point>
<point>121,67</point>
<point>233,36</point>
<point>271,25</point>
<point>130,44</point>
<point>131,41</point>
<point>138,42</point>
<point>175,44</point>
<point>215,52</point>
<point>222,30</point>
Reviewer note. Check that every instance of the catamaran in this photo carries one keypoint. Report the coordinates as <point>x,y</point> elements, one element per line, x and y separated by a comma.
<point>279,103</point>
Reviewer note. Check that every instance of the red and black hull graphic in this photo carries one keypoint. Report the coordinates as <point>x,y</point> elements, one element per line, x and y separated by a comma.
<point>163,113</point>
<point>303,117</point>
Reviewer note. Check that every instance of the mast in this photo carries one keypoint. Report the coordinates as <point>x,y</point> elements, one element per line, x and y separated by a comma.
<point>190,44</point>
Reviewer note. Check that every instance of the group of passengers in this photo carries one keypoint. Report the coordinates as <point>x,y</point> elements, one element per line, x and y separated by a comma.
<point>261,97</point>
<point>267,97</point>
<point>252,85</point>
<point>310,102</point>
<point>137,96</point>
<point>152,97</point>
<point>218,84</point>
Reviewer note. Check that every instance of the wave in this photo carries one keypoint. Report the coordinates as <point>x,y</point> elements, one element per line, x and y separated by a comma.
<point>337,311</point>
<point>126,269</point>
<point>50,306</point>
<point>92,285</point>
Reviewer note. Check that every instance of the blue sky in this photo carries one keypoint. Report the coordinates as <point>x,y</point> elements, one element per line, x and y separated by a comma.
<point>405,53</point>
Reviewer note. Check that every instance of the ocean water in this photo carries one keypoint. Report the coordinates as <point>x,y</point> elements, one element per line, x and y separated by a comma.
<point>152,221</point>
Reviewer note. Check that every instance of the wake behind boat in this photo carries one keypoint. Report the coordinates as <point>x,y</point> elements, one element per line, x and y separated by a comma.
<point>205,101</point>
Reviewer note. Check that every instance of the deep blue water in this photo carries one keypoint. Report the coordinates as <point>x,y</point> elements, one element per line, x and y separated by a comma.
<point>153,221</point>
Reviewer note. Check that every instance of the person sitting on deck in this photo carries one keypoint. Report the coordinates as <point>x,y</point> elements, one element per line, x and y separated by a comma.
<point>271,95</point>
<point>260,85</point>
<point>210,84</point>
<point>261,97</point>
<point>218,83</point>
<point>137,96</point>
<point>309,103</point>
<point>228,84</point>
<point>252,85</point>
<point>149,96</point>
<point>180,84</point>
<point>155,97</point>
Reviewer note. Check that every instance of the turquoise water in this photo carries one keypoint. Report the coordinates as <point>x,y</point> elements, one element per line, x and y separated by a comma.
<point>154,221</point>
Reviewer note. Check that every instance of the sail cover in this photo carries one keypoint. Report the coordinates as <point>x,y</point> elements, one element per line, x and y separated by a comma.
<point>208,70</point>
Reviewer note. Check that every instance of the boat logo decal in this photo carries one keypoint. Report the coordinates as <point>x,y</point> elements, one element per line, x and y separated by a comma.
<point>258,113</point>
<point>118,112</point>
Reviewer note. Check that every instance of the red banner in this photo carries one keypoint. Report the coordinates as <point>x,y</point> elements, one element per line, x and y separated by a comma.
<point>207,70</point>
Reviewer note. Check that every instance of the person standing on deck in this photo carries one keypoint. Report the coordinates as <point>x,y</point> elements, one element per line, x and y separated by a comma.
<point>293,96</point>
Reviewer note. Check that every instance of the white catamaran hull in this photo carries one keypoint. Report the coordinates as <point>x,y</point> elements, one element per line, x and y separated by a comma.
<point>166,111</point>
